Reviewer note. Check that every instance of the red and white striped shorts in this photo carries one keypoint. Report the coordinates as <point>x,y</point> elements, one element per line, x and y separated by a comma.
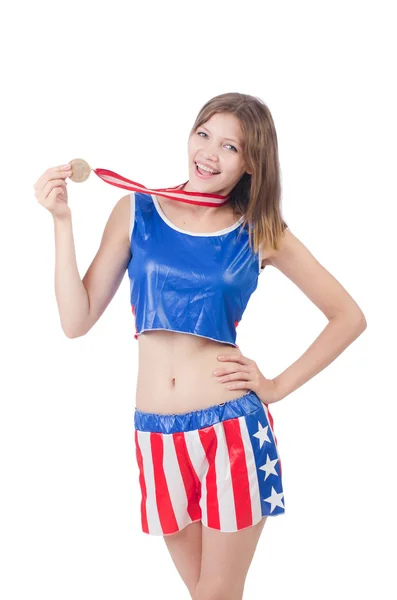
<point>220,465</point>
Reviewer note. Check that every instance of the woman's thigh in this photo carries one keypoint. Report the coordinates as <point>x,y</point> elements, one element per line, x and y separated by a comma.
<point>185,550</point>
<point>225,560</point>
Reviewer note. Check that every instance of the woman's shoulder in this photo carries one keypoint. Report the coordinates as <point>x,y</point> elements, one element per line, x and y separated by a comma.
<point>270,254</point>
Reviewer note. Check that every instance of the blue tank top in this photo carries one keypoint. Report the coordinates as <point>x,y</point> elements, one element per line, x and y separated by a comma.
<point>194,283</point>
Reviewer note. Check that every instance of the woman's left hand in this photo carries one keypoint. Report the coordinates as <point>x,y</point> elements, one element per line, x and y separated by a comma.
<point>245,374</point>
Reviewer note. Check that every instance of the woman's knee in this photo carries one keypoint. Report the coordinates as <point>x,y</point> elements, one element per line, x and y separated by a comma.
<point>218,589</point>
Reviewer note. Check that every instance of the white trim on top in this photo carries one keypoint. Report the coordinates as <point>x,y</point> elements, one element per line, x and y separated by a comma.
<point>166,220</point>
<point>260,258</point>
<point>207,337</point>
<point>132,214</point>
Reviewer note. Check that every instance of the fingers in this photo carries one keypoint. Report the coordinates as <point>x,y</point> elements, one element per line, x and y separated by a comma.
<point>61,171</point>
<point>42,194</point>
<point>50,188</point>
<point>238,375</point>
<point>233,369</point>
<point>53,183</point>
<point>235,358</point>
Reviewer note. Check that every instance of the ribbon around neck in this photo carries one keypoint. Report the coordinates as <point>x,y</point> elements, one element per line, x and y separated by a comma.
<point>173,193</point>
<point>81,171</point>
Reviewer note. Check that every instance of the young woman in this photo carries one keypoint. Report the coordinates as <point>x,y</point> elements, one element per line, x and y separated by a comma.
<point>209,467</point>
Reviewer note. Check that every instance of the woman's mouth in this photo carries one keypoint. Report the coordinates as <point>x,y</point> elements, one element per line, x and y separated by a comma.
<point>204,174</point>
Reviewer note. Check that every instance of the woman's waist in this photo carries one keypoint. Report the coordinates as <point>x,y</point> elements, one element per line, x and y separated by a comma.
<point>176,372</point>
<point>160,395</point>
<point>174,352</point>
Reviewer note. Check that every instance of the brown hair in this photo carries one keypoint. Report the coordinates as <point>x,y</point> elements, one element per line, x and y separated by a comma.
<point>256,196</point>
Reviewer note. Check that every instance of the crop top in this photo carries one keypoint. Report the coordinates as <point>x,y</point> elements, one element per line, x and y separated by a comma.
<point>193,283</point>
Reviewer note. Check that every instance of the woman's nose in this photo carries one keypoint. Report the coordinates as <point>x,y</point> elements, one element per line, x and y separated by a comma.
<point>210,154</point>
<point>209,151</point>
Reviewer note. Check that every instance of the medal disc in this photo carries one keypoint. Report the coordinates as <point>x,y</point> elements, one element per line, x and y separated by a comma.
<point>80,170</point>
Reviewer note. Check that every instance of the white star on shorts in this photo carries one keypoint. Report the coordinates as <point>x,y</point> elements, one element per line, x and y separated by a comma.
<point>261,434</point>
<point>275,499</point>
<point>269,467</point>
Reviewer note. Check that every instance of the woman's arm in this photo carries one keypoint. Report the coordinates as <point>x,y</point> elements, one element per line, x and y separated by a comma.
<point>82,302</point>
<point>346,319</point>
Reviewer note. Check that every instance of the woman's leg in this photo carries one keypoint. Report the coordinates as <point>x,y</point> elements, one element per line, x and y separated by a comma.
<point>226,558</point>
<point>241,487</point>
<point>170,506</point>
<point>185,549</point>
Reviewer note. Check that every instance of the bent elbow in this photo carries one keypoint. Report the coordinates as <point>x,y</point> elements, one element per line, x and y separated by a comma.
<point>360,320</point>
<point>359,323</point>
<point>363,323</point>
<point>74,333</point>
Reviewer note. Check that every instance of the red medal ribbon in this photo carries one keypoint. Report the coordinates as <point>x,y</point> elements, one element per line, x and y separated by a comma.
<point>173,193</point>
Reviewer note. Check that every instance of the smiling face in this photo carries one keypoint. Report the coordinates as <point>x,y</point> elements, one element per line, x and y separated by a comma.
<point>217,144</point>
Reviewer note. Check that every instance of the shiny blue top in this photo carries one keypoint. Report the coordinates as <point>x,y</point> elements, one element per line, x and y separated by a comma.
<point>194,283</point>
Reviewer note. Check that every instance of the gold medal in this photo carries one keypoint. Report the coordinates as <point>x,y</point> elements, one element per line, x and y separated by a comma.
<point>80,170</point>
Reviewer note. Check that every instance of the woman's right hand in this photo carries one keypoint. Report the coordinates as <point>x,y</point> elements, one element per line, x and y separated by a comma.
<point>51,192</point>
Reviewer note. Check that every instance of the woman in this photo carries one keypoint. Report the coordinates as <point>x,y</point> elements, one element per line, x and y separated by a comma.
<point>209,467</point>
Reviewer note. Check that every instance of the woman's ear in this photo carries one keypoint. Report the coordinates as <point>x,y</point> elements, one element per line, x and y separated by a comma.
<point>247,170</point>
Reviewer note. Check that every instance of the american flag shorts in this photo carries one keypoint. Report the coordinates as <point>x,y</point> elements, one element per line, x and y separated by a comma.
<point>219,465</point>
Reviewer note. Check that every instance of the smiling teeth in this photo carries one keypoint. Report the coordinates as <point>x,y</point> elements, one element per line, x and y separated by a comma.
<point>204,168</point>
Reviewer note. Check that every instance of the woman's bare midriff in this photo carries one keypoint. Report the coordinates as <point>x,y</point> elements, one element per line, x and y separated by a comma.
<point>175,372</point>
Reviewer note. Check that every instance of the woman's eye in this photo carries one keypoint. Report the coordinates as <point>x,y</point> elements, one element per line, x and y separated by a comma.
<point>203,132</point>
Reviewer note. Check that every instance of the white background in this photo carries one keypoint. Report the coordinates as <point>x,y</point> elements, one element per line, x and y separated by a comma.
<point>120,84</point>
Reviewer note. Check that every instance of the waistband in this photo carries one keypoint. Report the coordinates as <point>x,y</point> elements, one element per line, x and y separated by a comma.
<point>197,419</point>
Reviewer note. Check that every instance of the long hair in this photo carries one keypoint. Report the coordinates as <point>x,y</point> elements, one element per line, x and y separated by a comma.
<point>256,196</point>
